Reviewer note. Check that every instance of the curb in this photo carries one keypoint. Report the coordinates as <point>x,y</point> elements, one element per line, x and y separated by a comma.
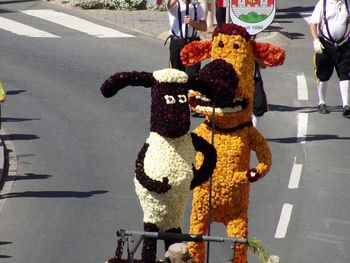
<point>146,23</point>
<point>4,164</point>
<point>8,168</point>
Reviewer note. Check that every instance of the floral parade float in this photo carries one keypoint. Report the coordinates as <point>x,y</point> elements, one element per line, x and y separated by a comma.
<point>226,195</point>
<point>164,173</point>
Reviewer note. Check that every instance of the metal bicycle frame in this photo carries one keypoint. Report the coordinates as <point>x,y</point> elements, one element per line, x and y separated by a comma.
<point>127,236</point>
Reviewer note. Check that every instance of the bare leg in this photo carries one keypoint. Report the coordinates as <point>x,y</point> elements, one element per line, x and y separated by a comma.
<point>210,16</point>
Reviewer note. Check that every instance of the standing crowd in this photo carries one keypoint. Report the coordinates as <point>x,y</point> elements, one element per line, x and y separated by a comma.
<point>329,28</point>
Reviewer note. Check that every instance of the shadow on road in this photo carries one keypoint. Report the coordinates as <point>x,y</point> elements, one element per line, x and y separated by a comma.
<point>275,107</point>
<point>14,92</point>
<point>308,138</point>
<point>53,194</point>
<point>17,119</point>
<point>2,243</point>
<point>28,176</point>
<point>21,137</point>
<point>308,109</point>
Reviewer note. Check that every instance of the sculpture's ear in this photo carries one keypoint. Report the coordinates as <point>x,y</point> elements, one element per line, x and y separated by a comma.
<point>120,80</point>
<point>268,54</point>
<point>195,52</point>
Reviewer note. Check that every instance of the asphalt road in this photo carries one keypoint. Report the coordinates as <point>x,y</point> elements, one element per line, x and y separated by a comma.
<point>75,150</point>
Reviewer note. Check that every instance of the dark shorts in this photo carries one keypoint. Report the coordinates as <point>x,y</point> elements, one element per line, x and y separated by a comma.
<point>220,15</point>
<point>176,44</point>
<point>337,58</point>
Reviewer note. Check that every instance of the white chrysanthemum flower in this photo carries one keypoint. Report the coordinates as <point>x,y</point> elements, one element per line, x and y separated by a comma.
<point>173,159</point>
<point>170,75</point>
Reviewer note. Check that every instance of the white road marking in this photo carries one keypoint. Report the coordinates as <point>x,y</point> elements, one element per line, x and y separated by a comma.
<point>295,175</point>
<point>306,16</point>
<point>302,87</point>
<point>302,127</point>
<point>283,222</point>
<point>76,23</point>
<point>22,29</point>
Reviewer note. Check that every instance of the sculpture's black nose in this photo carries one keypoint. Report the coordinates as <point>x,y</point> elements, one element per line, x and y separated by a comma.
<point>220,82</point>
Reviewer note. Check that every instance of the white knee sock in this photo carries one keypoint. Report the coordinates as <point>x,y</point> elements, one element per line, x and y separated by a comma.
<point>344,91</point>
<point>255,120</point>
<point>322,92</point>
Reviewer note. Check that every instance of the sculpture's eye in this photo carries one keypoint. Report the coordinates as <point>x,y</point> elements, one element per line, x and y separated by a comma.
<point>235,46</point>
<point>169,99</point>
<point>221,44</point>
<point>182,98</point>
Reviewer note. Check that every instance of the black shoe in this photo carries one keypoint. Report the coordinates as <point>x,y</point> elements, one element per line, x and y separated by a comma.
<point>346,111</point>
<point>322,108</point>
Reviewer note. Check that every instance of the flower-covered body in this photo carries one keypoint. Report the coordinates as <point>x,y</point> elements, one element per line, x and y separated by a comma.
<point>164,173</point>
<point>230,185</point>
<point>234,136</point>
<point>173,159</point>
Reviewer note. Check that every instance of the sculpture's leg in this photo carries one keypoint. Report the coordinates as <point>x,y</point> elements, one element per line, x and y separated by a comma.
<point>149,248</point>
<point>168,243</point>
<point>198,226</point>
<point>237,228</point>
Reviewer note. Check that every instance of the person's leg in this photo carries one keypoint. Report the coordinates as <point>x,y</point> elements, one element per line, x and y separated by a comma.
<point>210,16</point>
<point>174,50</point>
<point>323,66</point>
<point>259,99</point>
<point>190,71</point>
<point>220,15</point>
<point>344,91</point>
<point>255,120</point>
<point>204,6</point>
<point>193,69</point>
<point>322,93</point>
<point>342,68</point>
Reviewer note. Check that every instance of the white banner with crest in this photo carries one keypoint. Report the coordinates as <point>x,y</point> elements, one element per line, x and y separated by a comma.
<point>254,15</point>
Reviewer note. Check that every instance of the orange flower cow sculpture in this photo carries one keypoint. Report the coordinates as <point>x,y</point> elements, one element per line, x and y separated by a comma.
<point>234,135</point>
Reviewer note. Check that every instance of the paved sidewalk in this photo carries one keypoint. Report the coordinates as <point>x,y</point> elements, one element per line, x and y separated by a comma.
<point>156,23</point>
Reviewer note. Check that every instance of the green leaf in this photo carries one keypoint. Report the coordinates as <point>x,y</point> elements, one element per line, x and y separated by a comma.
<point>255,247</point>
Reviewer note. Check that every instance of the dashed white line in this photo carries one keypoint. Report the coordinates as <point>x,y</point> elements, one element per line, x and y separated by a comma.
<point>302,127</point>
<point>302,87</point>
<point>76,23</point>
<point>283,222</point>
<point>295,176</point>
<point>22,29</point>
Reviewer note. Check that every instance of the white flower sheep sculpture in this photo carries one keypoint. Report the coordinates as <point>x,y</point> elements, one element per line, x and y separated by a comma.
<point>165,173</point>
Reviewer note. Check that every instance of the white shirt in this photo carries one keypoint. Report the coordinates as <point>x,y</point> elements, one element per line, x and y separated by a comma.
<point>174,22</point>
<point>337,17</point>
